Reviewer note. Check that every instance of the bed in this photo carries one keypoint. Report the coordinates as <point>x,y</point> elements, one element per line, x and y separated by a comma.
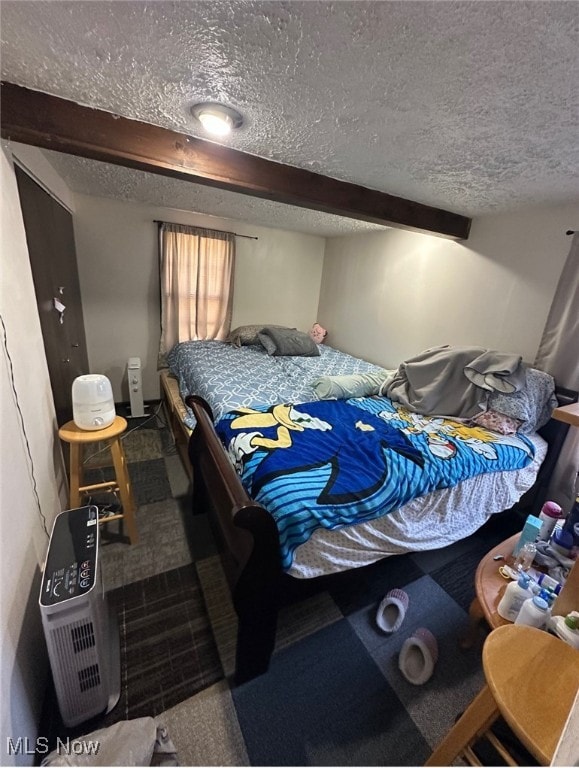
<point>227,388</point>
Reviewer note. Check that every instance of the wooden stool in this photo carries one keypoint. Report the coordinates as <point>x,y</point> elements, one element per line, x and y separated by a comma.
<point>78,438</point>
<point>532,682</point>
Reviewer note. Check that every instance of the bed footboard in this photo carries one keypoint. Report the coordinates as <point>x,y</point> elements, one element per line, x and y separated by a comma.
<point>175,412</point>
<point>248,539</point>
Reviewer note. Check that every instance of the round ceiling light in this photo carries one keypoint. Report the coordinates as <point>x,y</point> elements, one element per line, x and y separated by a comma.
<point>217,119</point>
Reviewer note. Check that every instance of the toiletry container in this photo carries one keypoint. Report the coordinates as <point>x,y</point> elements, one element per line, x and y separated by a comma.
<point>567,628</point>
<point>525,556</point>
<point>515,595</point>
<point>530,532</point>
<point>562,542</point>
<point>534,613</point>
<point>550,513</point>
<point>548,596</point>
<point>572,521</point>
<point>548,582</point>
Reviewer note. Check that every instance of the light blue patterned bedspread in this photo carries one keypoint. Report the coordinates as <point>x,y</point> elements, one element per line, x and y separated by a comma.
<point>228,377</point>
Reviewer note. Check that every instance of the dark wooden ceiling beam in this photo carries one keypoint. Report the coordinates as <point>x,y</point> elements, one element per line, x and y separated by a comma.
<point>47,121</point>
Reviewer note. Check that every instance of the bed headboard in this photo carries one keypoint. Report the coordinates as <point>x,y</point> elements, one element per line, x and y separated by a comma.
<point>554,432</point>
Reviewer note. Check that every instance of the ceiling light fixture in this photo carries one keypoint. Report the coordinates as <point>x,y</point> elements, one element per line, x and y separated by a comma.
<point>217,119</point>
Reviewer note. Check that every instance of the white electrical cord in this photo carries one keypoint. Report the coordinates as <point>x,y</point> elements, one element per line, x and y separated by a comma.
<point>23,427</point>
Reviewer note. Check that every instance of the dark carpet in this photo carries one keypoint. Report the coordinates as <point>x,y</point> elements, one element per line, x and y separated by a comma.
<point>327,704</point>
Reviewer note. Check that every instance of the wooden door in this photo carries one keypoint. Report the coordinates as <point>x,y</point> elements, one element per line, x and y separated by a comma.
<point>50,238</point>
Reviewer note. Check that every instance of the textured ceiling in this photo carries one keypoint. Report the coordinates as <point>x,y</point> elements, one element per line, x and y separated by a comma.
<point>105,180</point>
<point>469,106</point>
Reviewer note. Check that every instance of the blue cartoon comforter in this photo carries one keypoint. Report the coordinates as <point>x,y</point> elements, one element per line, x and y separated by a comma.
<point>338,462</point>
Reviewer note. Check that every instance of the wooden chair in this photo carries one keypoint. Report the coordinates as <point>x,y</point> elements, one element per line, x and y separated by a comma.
<point>532,680</point>
<point>78,439</point>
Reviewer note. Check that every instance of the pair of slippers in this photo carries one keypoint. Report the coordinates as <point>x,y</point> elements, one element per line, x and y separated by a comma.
<point>419,653</point>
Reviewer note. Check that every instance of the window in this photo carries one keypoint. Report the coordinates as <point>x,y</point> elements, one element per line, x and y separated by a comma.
<point>196,284</point>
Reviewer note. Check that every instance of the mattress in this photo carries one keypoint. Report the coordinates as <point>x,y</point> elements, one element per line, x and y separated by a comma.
<point>229,377</point>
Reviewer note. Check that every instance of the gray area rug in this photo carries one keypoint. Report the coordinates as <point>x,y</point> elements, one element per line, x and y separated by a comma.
<point>168,653</point>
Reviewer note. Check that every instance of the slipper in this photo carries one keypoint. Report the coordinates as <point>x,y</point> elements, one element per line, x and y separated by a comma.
<point>418,656</point>
<point>392,610</point>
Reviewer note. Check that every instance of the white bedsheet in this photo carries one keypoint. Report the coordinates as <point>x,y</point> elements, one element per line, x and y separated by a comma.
<point>428,522</point>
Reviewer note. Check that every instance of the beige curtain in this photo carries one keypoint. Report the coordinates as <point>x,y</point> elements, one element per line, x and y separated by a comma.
<point>559,355</point>
<point>196,284</point>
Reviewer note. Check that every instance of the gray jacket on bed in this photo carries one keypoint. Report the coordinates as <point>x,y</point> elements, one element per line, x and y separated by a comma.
<point>455,381</point>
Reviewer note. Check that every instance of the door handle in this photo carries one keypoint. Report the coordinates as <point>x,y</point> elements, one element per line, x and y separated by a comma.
<point>75,345</point>
<point>66,360</point>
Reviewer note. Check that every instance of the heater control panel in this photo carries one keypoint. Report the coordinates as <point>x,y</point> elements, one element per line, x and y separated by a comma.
<point>70,568</point>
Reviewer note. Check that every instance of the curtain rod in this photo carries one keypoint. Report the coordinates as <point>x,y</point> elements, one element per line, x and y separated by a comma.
<point>248,237</point>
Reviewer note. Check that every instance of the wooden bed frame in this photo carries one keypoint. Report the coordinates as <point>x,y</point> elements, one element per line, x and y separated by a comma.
<point>176,413</point>
<point>248,538</point>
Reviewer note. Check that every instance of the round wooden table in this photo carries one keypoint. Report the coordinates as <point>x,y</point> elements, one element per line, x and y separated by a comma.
<point>79,438</point>
<point>531,680</point>
<point>489,587</point>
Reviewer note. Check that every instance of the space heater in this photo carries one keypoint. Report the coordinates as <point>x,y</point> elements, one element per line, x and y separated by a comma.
<point>81,632</point>
<point>134,376</point>
<point>93,406</point>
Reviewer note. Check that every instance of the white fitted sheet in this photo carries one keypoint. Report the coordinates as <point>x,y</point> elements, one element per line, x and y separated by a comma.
<point>428,522</point>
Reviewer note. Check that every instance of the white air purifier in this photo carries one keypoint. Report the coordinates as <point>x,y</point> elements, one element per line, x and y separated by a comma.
<point>93,406</point>
<point>82,634</point>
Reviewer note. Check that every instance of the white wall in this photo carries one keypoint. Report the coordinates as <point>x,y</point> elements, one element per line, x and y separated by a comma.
<point>37,166</point>
<point>277,280</point>
<point>27,414</point>
<point>387,296</point>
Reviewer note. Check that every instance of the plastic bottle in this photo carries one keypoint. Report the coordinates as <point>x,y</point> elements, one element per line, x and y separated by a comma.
<point>572,521</point>
<point>575,550</point>
<point>550,513</point>
<point>567,628</point>
<point>525,557</point>
<point>534,613</point>
<point>548,596</point>
<point>562,543</point>
<point>548,582</point>
<point>515,595</point>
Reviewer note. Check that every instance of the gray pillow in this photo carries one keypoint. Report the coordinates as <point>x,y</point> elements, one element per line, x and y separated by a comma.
<point>352,385</point>
<point>287,341</point>
<point>246,335</point>
<point>267,343</point>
